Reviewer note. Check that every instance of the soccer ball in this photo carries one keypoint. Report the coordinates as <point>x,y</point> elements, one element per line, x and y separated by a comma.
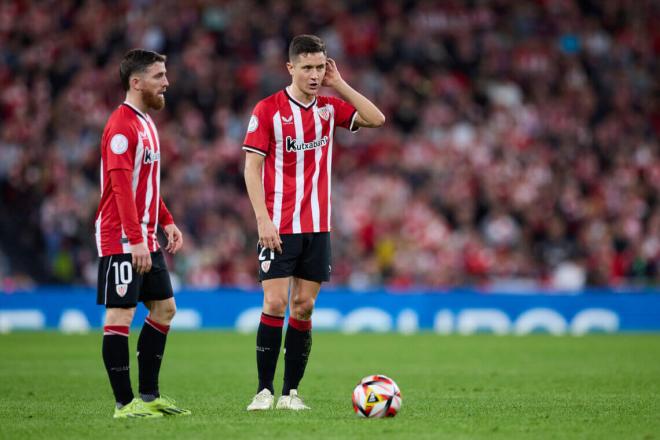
<point>376,396</point>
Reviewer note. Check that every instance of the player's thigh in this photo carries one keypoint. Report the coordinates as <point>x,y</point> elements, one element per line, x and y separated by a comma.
<point>314,263</point>
<point>118,283</point>
<point>276,295</point>
<point>274,265</point>
<point>303,297</point>
<point>156,285</point>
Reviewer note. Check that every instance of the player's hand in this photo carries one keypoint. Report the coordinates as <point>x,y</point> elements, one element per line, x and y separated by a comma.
<point>141,257</point>
<point>332,76</point>
<point>174,239</point>
<point>268,235</point>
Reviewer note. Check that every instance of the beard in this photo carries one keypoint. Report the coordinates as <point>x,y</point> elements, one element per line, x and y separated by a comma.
<point>153,100</point>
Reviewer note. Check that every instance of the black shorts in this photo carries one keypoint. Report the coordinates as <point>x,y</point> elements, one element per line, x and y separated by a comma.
<point>305,256</point>
<point>120,286</point>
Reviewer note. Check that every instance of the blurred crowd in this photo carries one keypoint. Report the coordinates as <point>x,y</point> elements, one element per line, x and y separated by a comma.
<point>520,149</point>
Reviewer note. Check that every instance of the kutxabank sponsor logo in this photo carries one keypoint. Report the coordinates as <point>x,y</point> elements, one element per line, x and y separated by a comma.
<point>150,156</point>
<point>293,145</point>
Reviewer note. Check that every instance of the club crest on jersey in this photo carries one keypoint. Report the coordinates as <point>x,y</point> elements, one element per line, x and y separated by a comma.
<point>119,144</point>
<point>292,145</point>
<point>121,289</point>
<point>265,266</point>
<point>254,123</point>
<point>324,113</point>
<point>150,156</point>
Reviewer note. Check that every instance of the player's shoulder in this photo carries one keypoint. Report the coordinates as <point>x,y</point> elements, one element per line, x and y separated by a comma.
<point>121,126</point>
<point>122,115</point>
<point>323,100</point>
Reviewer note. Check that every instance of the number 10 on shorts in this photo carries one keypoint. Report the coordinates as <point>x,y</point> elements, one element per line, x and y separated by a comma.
<point>123,276</point>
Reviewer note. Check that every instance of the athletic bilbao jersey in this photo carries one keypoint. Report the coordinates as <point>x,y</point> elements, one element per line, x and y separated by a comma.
<point>296,141</point>
<point>130,142</point>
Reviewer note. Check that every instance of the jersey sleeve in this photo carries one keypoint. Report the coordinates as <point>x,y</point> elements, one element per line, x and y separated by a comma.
<point>121,188</point>
<point>345,114</point>
<point>120,144</point>
<point>259,131</point>
<point>164,216</point>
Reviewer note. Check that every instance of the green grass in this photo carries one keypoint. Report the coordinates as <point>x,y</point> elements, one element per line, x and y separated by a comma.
<point>597,387</point>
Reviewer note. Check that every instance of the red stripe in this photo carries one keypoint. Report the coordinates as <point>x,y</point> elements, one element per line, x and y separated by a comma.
<point>289,171</point>
<point>272,321</point>
<point>306,218</point>
<point>299,324</point>
<point>323,183</point>
<point>119,330</point>
<point>153,219</point>
<point>164,329</point>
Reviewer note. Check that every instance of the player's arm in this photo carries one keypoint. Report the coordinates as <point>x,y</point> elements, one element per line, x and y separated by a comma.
<point>120,147</point>
<point>368,115</point>
<point>174,235</point>
<point>268,235</point>
<point>120,180</point>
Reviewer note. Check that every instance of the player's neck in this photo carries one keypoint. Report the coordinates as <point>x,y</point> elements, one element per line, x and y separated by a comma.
<point>299,95</point>
<point>136,102</point>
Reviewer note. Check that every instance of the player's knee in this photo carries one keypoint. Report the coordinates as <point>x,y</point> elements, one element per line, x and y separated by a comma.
<point>275,305</point>
<point>119,316</point>
<point>302,308</point>
<point>163,311</point>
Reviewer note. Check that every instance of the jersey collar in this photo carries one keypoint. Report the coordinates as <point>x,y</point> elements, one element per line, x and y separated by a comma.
<point>138,112</point>
<point>298,103</point>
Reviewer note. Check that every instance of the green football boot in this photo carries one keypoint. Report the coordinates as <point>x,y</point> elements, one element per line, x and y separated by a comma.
<point>136,410</point>
<point>167,406</point>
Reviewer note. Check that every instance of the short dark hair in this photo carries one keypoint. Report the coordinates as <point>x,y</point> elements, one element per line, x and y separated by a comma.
<point>137,61</point>
<point>306,43</point>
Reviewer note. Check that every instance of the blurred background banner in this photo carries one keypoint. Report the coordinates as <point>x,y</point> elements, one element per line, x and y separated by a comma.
<point>521,141</point>
<point>465,311</point>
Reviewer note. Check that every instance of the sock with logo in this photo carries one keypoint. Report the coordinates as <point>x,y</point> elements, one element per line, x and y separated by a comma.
<point>297,346</point>
<point>151,346</point>
<point>115,358</point>
<point>269,340</point>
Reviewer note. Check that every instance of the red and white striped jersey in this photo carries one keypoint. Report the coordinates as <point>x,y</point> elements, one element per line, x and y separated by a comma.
<point>296,141</point>
<point>130,142</point>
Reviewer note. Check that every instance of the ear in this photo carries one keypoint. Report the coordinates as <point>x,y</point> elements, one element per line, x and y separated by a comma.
<point>289,67</point>
<point>134,82</point>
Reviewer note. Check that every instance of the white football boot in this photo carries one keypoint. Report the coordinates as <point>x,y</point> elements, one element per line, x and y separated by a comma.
<point>292,401</point>
<point>262,401</point>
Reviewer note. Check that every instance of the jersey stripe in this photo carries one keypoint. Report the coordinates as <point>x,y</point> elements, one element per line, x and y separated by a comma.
<point>157,164</point>
<point>318,152</point>
<point>279,176</point>
<point>300,167</point>
<point>331,137</point>
<point>148,197</point>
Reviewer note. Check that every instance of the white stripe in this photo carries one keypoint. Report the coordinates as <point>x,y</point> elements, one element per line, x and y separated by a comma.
<point>254,150</point>
<point>148,197</point>
<point>137,165</point>
<point>97,223</point>
<point>125,245</point>
<point>105,299</point>
<point>331,136</point>
<point>279,175</point>
<point>318,152</point>
<point>112,332</point>
<point>97,226</point>
<point>352,128</point>
<point>157,196</point>
<point>300,166</point>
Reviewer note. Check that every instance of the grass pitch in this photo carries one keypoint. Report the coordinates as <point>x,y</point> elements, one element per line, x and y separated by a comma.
<point>454,387</point>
